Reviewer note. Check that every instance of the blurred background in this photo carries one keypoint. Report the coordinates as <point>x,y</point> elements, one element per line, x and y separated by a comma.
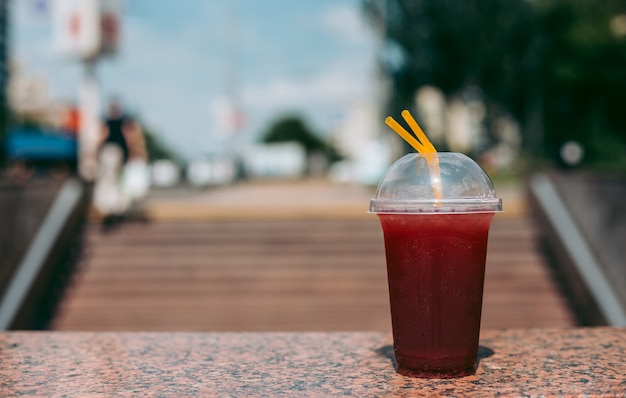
<point>207,166</point>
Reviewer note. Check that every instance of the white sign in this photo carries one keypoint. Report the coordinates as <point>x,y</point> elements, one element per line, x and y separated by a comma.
<point>77,27</point>
<point>85,29</point>
<point>109,26</point>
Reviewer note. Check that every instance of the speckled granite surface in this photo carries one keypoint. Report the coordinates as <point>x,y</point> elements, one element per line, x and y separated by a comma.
<point>572,362</point>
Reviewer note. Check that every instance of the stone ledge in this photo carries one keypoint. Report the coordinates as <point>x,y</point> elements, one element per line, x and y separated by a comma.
<point>533,362</point>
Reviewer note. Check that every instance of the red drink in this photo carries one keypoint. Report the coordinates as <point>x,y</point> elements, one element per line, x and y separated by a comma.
<point>436,269</point>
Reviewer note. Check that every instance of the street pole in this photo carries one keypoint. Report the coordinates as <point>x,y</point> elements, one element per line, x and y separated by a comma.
<point>89,137</point>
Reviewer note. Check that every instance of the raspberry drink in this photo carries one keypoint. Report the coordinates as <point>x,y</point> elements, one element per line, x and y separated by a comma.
<point>436,268</point>
<point>435,211</point>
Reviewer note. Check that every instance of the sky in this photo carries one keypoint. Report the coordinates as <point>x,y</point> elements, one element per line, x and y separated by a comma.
<point>179,60</point>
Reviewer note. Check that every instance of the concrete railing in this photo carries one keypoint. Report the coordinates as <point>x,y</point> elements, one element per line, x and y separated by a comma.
<point>41,221</point>
<point>584,229</point>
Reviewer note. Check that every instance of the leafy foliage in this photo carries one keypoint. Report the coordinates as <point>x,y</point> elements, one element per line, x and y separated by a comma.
<point>455,44</point>
<point>583,77</point>
<point>556,65</point>
<point>293,129</point>
<point>156,148</point>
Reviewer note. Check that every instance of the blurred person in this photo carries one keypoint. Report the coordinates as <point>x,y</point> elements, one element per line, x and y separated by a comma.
<point>122,173</point>
<point>114,129</point>
<point>135,176</point>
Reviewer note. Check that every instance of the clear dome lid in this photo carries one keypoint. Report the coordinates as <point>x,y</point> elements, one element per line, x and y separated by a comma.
<point>443,182</point>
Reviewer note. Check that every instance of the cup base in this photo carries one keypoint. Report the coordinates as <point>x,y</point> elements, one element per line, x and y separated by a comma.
<point>436,374</point>
<point>448,367</point>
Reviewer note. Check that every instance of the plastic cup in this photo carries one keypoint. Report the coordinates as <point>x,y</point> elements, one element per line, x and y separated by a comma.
<point>435,222</point>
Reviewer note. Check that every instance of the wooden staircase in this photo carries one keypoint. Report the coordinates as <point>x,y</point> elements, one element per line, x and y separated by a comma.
<point>281,275</point>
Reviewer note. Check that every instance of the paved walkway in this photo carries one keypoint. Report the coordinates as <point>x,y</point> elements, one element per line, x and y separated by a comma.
<point>281,257</point>
<point>270,200</point>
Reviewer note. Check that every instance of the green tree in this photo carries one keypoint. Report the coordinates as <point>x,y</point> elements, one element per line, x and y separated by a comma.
<point>293,129</point>
<point>156,148</point>
<point>582,76</point>
<point>455,44</point>
<point>556,65</point>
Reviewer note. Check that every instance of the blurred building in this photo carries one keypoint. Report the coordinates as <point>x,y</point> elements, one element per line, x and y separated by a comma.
<point>359,125</point>
<point>43,130</point>
<point>30,99</point>
<point>359,140</point>
<point>28,95</point>
<point>4,67</point>
<point>278,160</point>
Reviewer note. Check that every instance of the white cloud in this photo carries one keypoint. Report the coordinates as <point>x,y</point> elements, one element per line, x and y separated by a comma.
<point>342,78</point>
<point>319,98</point>
<point>327,86</point>
<point>347,22</point>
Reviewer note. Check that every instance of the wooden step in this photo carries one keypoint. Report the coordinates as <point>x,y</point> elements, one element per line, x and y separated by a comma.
<point>289,275</point>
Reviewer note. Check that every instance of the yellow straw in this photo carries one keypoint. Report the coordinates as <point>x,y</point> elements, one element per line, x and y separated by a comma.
<point>417,130</point>
<point>422,145</point>
<point>395,126</point>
